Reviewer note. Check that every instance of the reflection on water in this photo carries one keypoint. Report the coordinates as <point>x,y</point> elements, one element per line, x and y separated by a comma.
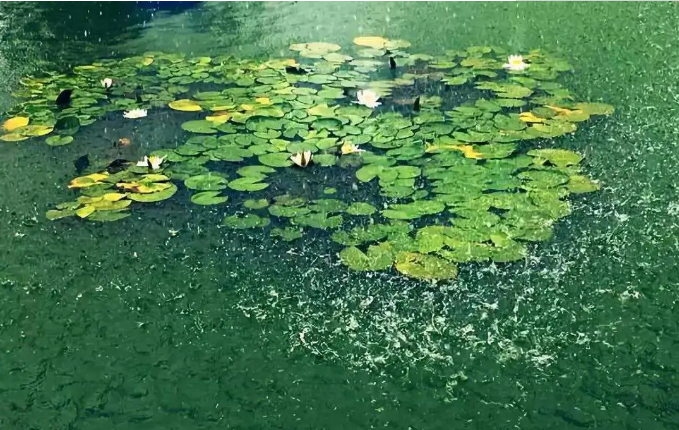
<point>134,324</point>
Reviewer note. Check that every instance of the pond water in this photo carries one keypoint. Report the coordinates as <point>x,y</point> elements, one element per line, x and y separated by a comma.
<point>176,317</point>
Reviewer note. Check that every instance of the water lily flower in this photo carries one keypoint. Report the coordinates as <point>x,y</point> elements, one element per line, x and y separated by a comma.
<point>368,98</point>
<point>515,63</point>
<point>350,148</point>
<point>153,162</point>
<point>302,159</point>
<point>135,113</point>
<point>107,83</point>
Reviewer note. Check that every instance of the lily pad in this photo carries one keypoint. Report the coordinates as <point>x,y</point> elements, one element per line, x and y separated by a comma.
<point>199,126</point>
<point>246,221</point>
<point>59,140</point>
<point>248,183</point>
<point>360,208</point>
<point>208,198</point>
<point>287,234</point>
<point>207,182</point>
<point>256,204</point>
<point>424,266</point>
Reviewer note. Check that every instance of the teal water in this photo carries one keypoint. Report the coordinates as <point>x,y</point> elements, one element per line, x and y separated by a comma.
<point>125,326</point>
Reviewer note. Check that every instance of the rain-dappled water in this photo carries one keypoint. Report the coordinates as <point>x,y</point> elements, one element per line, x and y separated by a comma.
<point>164,320</point>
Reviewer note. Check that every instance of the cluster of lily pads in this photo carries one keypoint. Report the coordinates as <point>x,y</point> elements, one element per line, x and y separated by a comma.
<point>436,156</point>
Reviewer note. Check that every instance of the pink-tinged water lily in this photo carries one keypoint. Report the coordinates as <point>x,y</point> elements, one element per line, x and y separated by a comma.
<point>368,98</point>
<point>135,113</point>
<point>153,162</point>
<point>515,63</point>
<point>302,159</point>
<point>107,83</point>
<point>350,148</point>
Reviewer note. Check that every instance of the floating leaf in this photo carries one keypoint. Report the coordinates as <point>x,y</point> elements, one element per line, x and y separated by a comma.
<point>379,257</point>
<point>360,208</point>
<point>208,182</point>
<point>14,123</point>
<point>557,157</point>
<point>208,198</point>
<point>199,126</point>
<point>423,266</point>
<point>256,204</point>
<point>374,42</point>
<point>246,221</point>
<point>281,159</point>
<point>59,140</point>
<point>154,197</point>
<point>248,183</point>
<point>185,105</point>
<point>288,234</point>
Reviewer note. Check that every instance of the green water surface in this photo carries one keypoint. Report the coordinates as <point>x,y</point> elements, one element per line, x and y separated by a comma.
<point>127,326</point>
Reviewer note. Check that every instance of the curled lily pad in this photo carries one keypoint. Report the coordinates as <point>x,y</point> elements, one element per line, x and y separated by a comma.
<point>246,221</point>
<point>208,198</point>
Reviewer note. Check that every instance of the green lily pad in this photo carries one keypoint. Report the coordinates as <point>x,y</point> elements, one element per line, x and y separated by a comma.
<point>378,257</point>
<point>67,125</point>
<point>208,198</point>
<point>59,140</point>
<point>108,216</point>
<point>256,204</point>
<point>360,208</point>
<point>246,221</point>
<point>154,197</point>
<point>424,266</point>
<point>248,183</point>
<point>287,234</point>
<point>280,159</point>
<point>557,157</point>
<point>318,220</point>
<point>199,126</point>
<point>208,182</point>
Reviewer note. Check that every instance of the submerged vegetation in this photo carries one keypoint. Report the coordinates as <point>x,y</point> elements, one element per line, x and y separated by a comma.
<point>443,159</point>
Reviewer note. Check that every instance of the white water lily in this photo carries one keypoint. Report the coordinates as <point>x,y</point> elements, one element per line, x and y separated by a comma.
<point>350,148</point>
<point>368,98</point>
<point>153,162</point>
<point>135,113</point>
<point>515,63</point>
<point>107,83</point>
<point>302,159</point>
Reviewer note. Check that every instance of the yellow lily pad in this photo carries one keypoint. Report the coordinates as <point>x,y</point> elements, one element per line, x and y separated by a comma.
<point>218,119</point>
<point>14,123</point>
<point>468,151</point>
<point>143,187</point>
<point>529,117</point>
<point>87,181</point>
<point>185,105</point>
<point>147,61</point>
<point>113,197</point>
<point>375,42</point>
<point>13,137</point>
<point>85,211</point>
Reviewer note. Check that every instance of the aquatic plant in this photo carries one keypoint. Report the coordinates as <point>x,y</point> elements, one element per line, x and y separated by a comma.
<point>456,158</point>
